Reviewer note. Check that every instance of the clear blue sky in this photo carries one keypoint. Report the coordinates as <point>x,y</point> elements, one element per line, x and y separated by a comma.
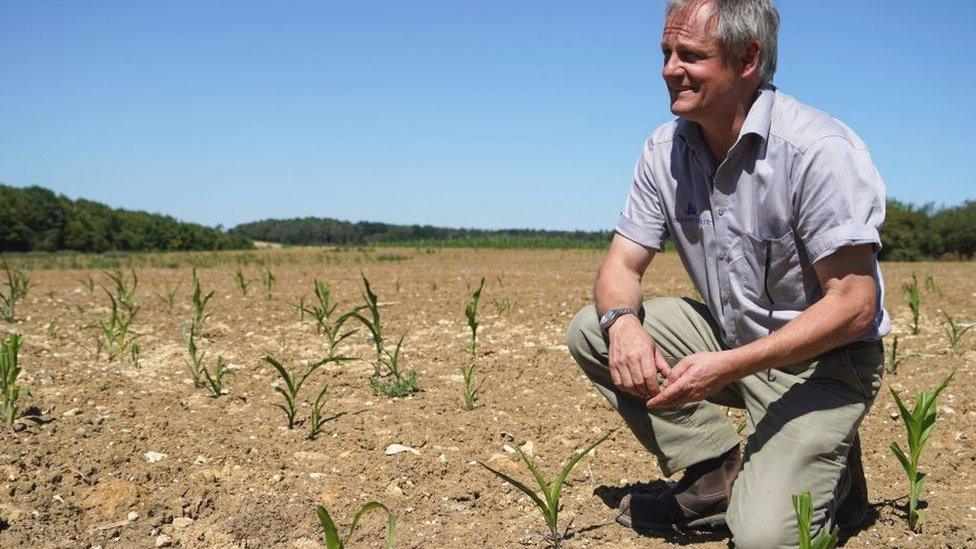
<point>468,114</point>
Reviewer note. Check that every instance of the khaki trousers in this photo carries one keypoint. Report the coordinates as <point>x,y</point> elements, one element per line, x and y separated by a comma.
<point>801,419</point>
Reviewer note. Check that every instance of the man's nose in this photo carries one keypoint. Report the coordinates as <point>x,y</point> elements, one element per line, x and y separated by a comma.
<point>672,67</point>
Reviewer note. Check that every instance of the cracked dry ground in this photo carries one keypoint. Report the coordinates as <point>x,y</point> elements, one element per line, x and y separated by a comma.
<point>226,473</point>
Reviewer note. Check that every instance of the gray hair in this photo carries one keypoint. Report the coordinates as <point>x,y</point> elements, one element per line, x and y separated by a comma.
<point>741,22</point>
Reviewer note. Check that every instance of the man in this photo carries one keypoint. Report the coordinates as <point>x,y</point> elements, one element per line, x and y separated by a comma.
<point>774,209</point>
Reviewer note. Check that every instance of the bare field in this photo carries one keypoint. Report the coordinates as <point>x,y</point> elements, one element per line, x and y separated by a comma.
<point>232,475</point>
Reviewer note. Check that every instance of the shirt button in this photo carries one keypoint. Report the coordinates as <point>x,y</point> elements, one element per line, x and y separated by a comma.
<point>721,254</point>
<point>721,211</point>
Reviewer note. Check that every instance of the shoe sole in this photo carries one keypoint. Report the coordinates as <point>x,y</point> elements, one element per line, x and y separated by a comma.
<point>711,522</point>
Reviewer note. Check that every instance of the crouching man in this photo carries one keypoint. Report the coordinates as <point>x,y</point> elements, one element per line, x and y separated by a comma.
<point>774,208</point>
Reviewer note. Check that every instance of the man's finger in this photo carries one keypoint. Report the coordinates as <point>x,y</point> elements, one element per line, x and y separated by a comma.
<point>615,376</point>
<point>649,374</point>
<point>679,369</point>
<point>665,398</point>
<point>661,363</point>
<point>637,378</point>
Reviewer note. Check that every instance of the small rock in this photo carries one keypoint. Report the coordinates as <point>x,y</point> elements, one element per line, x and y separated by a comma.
<point>508,449</point>
<point>394,490</point>
<point>182,523</point>
<point>893,414</point>
<point>72,412</point>
<point>948,410</point>
<point>398,448</point>
<point>153,457</point>
<point>81,433</point>
<point>162,540</point>
<point>47,380</point>
<point>275,478</point>
<point>200,460</point>
<point>132,516</point>
<point>528,448</point>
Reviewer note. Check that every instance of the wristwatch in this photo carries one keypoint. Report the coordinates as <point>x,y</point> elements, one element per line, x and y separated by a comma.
<point>612,315</point>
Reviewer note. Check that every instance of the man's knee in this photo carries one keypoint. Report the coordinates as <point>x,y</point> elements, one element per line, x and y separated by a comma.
<point>580,329</point>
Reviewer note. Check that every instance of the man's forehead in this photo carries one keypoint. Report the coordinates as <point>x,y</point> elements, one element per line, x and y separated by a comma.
<point>694,21</point>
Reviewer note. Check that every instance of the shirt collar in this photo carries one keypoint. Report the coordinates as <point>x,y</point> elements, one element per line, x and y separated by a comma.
<point>757,121</point>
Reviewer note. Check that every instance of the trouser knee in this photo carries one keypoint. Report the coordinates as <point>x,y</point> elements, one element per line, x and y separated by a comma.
<point>582,328</point>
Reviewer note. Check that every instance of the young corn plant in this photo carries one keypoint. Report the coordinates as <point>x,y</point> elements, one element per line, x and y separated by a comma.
<point>9,370</point>
<point>547,499</point>
<point>17,283</point>
<point>914,299</point>
<point>919,423</point>
<point>243,284</point>
<point>215,381</point>
<point>954,332</point>
<point>293,382</point>
<point>268,281</point>
<point>195,355</point>
<point>803,505</point>
<point>467,370</point>
<point>894,359</point>
<point>317,419</point>
<point>199,303</point>
<point>169,296</point>
<point>930,285</point>
<point>330,533</point>
<point>125,289</point>
<point>401,383</point>
<point>115,333</point>
<point>374,324</point>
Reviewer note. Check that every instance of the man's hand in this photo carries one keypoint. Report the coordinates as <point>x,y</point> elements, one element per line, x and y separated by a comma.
<point>635,359</point>
<point>696,377</point>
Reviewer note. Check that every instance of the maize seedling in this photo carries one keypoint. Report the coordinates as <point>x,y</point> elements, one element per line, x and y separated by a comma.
<point>114,332</point>
<point>215,381</point>
<point>403,384</point>
<point>547,499</point>
<point>124,292</point>
<point>503,307</point>
<point>199,303</point>
<point>331,534</point>
<point>89,283</point>
<point>954,332</point>
<point>134,352</point>
<point>803,505</point>
<point>293,384</point>
<point>894,360</point>
<point>243,284</point>
<point>322,312</point>
<point>169,297</point>
<point>317,420</point>
<point>914,298</point>
<point>930,285</point>
<point>919,423</point>
<point>195,363</point>
<point>9,370</point>
<point>373,324</point>
<point>17,283</point>
<point>268,280</point>
<point>468,370</point>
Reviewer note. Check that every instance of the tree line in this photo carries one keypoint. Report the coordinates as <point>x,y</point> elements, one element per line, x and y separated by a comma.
<point>36,219</point>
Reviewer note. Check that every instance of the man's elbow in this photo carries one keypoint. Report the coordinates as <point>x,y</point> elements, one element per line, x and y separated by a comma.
<point>864,317</point>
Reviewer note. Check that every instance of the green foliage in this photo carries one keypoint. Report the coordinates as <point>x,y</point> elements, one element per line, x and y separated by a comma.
<point>268,281</point>
<point>470,393</point>
<point>9,370</point>
<point>169,296</point>
<point>388,378</point>
<point>914,299</point>
<point>317,419</point>
<point>36,219</point>
<point>803,505</point>
<point>125,288</point>
<point>115,333</point>
<point>199,303</point>
<point>293,382</point>
<point>215,380</point>
<point>547,499</point>
<point>919,423</point>
<point>195,363</point>
<point>323,311</point>
<point>894,359</point>
<point>954,332</point>
<point>504,306</point>
<point>242,283</point>
<point>17,283</point>
<point>331,534</point>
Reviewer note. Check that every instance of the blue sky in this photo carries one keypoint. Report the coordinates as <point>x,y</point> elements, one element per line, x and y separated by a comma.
<point>467,114</point>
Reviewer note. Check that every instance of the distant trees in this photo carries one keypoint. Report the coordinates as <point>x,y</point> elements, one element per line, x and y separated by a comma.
<point>912,233</point>
<point>37,219</point>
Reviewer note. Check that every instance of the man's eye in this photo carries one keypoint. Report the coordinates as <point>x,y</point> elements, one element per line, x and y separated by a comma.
<point>690,57</point>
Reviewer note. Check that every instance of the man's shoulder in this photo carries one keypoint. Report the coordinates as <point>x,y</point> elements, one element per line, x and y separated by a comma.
<point>801,125</point>
<point>661,139</point>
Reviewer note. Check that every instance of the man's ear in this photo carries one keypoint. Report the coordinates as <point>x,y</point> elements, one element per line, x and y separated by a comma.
<point>748,62</point>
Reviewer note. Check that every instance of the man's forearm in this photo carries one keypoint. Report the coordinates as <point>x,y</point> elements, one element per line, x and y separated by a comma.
<point>825,325</point>
<point>617,286</point>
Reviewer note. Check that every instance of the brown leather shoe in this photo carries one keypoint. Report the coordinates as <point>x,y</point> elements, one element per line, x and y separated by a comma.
<point>853,509</point>
<point>698,500</point>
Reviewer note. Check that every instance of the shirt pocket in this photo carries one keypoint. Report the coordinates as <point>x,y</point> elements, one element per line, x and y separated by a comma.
<point>767,271</point>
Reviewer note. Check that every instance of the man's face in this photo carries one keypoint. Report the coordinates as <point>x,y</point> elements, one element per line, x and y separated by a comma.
<point>700,81</point>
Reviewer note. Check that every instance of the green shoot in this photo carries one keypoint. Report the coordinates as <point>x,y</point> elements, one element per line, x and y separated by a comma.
<point>913,297</point>
<point>803,505</point>
<point>17,283</point>
<point>215,381</point>
<point>467,370</point>
<point>403,384</point>
<point>199,303</point>
<point>547,499</point>
<point>894,360</point>
<point>89,283</point>
<point>134,352</point>
<point>503,307</point>
<point>954,332</point>
<point>125,293</point>
<point>293,384</point>
<point>115,334</point>
<point>331,534</point>
<point>268,280</point>
<point>242,283</point>
<point>930,285</point>
<point>9,370</point>
<point>323,312</point>
<point>919,423</point>
<point>195,363</point>
<point>317,420</point>
<point>373,324</point>
<point>169,296</point>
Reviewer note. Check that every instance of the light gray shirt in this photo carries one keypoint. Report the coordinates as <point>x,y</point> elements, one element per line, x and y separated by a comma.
<point>796,186</point>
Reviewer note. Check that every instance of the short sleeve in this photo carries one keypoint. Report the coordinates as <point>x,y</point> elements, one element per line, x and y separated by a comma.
<point>839,197</point>
<point>642,219</point>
